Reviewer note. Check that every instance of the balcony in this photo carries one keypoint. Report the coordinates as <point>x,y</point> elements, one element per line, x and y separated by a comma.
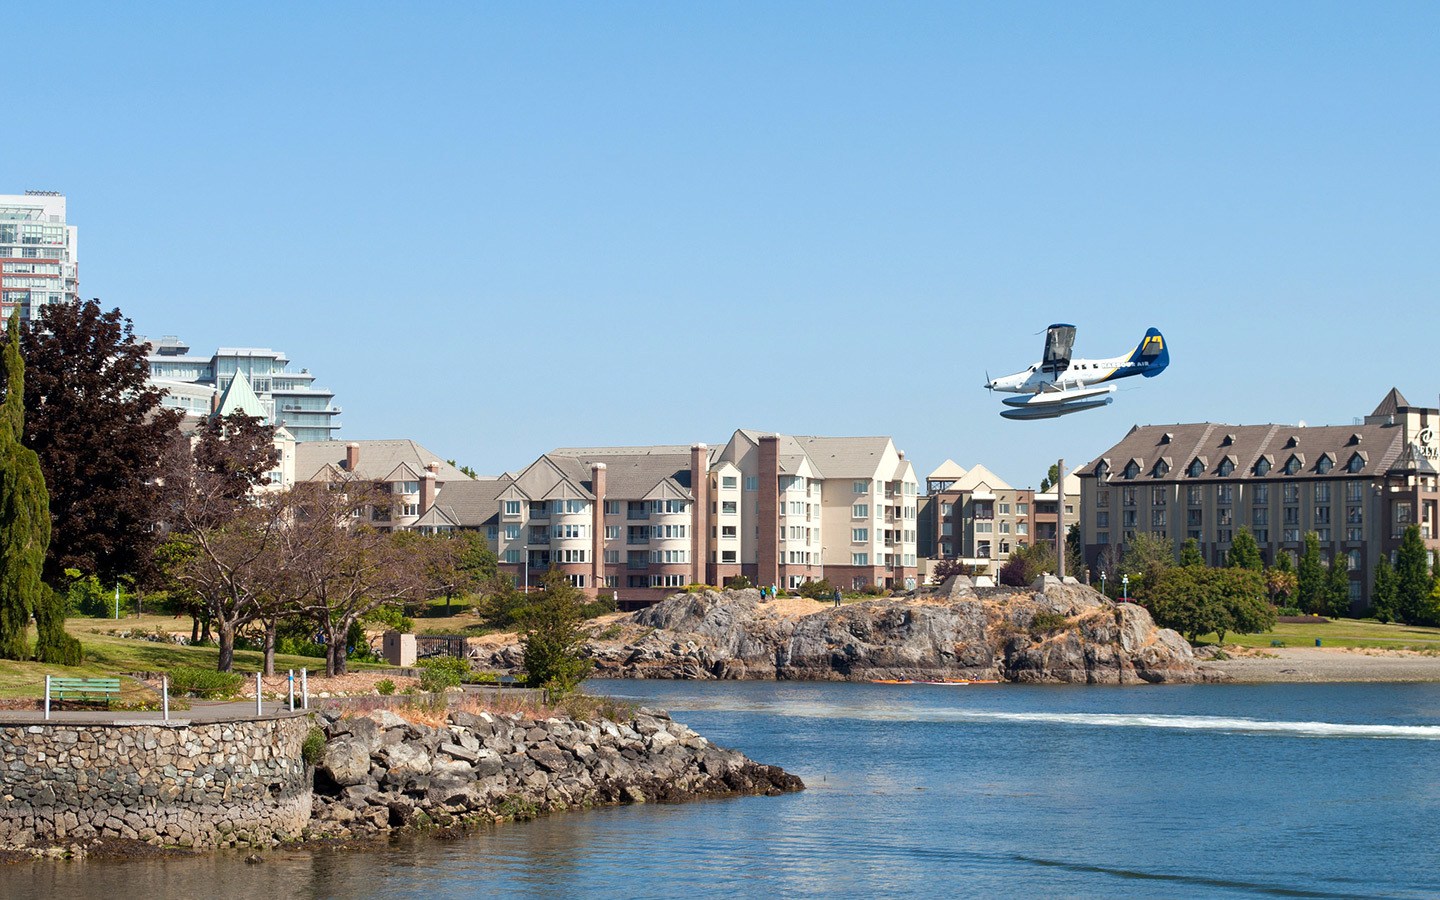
<point>637,516</point>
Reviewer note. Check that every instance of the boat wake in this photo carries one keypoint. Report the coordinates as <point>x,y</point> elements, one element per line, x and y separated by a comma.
<point>1208,723</point>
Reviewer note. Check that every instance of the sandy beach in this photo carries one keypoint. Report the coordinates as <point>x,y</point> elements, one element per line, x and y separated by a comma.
<point>1322,664</point>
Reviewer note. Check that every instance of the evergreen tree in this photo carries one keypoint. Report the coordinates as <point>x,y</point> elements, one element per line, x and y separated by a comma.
<point>1190,553</point>
<point>102,438</point>
<point>1337,588</point>
<point>1244,552</point>
<point>1412,577</point>
<point>25,529</point>
<point>1383,591</point>
<point>1310,578</point>
<point>553,639</point>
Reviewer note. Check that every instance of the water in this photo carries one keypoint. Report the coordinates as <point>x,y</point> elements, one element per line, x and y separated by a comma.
<point>924,791</point>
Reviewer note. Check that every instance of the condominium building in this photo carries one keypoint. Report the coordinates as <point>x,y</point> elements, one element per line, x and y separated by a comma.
<point>39,253</point>
<point>975,517</point>
<point>1358,487</point>
<point>643,521</point>
<point>289,398</point>
<point>412,476</point>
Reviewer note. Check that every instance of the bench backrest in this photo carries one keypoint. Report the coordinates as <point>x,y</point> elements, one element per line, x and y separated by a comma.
<point>84,684</point>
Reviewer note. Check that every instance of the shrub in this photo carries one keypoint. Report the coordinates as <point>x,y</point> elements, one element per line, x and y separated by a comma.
<point>817,590</point>
<point>738,583</point>
<point>441,672</point>
<point>611,632</point>
<point>1289,611</point>
<point>1046,622</point>
<point>697,588</point>
<point>385,687</point>
<point>313,749</point>
<point>207,684</point>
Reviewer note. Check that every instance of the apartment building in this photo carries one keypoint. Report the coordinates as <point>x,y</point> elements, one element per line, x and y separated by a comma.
<point>1356,486</point>
<point>39,253</point>
<point>287,397</point>
<point>975,517</point>
<point>412,476</point>
<point>640,522</point>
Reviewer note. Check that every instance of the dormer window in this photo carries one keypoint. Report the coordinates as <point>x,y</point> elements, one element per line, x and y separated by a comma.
<point>1132,469</point>
<point>1166,438</point>
<point>1292,465</point>
<point>1262,468</point>
<point>1355,439</point>
<point>1227,465</point>
<point>1197,468</point>
<point>1356,463</point>
<point>1161,469</point>
<point>1227,440</point>
<point>1292,442</point>
<point>1102,469</point>
<point>1325,464</point>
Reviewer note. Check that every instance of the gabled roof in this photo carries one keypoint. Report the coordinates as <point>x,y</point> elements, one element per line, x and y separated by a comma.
<point>977,476</point>
<point>470,503</point>
<point>846,457</point>
<point>377,460</point>
<point>634,473</point>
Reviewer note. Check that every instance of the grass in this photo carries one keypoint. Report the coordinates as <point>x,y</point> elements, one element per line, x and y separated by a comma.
<point>107,655</point>
<point>1354,633</point>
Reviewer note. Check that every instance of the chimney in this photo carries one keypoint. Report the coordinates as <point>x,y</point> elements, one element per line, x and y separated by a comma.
<point>768,570</point>
<point>700,512</point>
<point>215,402</point>
<point>597,527</point>
<point>352,456</point>
<point>429,487</point>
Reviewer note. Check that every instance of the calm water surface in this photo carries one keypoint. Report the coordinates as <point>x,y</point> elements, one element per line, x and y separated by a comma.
<point>925,791</point>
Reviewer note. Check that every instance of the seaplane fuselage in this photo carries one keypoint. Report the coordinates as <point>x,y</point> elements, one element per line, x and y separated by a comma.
<point>1058,385</point>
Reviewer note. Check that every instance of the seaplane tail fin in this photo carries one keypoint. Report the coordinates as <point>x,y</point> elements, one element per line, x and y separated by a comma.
<point>1153,352</point>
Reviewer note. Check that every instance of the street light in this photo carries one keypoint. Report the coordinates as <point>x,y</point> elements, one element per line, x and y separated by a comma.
<point>1102,581</point>
<point>1125,587</point>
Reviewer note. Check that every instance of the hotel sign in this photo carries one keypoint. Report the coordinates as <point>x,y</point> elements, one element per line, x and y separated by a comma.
<point>1427,447</point>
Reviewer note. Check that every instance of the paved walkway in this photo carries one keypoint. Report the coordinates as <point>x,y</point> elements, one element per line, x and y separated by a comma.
<point>200,711</point>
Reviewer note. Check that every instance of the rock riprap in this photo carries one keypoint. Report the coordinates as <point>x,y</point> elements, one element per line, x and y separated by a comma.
<point>380,771</point>
<point>1052,632</point>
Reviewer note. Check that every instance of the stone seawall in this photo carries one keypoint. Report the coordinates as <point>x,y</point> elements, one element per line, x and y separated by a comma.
<point>195,785</point>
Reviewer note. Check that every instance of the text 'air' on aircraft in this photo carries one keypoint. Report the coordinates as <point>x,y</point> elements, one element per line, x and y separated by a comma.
<point>1058,385</point>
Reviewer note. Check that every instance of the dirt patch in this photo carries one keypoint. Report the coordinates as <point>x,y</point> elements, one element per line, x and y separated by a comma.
<point>1326,664</point>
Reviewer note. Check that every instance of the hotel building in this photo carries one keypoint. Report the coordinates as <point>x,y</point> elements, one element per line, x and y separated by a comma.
<point>1358,487</point>
<point>39,253</point>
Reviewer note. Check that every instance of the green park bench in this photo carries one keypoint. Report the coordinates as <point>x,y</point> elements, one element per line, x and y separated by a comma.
<point>88,689</point>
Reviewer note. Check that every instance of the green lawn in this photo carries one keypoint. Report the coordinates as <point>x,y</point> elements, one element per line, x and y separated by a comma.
<point>1341,633</point>
<point>108,655</point>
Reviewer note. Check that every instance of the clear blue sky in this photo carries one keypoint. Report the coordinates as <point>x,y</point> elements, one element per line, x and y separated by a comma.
<point>499,229</point>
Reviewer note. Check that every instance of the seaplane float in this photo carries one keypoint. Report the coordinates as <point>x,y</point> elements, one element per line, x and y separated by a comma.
<point>1059,385</point>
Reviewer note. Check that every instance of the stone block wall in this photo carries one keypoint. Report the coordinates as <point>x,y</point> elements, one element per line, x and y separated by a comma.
<point>198,785</point>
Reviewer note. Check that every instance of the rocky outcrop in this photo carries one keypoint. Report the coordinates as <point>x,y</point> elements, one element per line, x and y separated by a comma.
<point>1052,632</point>
<point>381,771</point>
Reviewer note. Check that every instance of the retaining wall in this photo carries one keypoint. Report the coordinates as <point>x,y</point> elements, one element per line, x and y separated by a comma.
<point>199,785</point>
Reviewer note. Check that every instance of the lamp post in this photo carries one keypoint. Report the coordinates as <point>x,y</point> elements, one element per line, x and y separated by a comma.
<point>1102,581</point>
<point>1125,587</point>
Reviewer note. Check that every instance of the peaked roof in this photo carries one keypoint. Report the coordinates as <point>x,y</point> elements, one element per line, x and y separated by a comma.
<point>317,460</point>
<point>949,470</point>
<point>467,504</point>
<point>239,395</point>
<point>635,473</point>
<point>1392,403</point>
<point>980,475</point>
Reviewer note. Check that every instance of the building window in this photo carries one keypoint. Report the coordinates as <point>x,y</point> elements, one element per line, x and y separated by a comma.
<point>1022,509</point>
<point>982,549</point>
<point>752,482</point>
<point>945,549</point>
<point>612,581</point>
<point>1324,465</point>
<point>1262,467</point>
<point>512,557</point>
<point>947,528</point>
<point>1195,518</point>
<point>1102,519</point>
<point>1352,560</point>
<point>1322,493</point>
<point>1292,465</point>
<point>1261,493</point>
<point>1225,517</point>
<point>859,535</point>
<point>729,508</point>
<point>729,482</point>
<point>1102,537</point>
<point>1197,468</point>
<point>862,511</point>
<point>1322,515</point>
<point>1291,493</point>
<point>1004,509</point>
<point>512,532</point>
<point>1354,491</point>
<point>1260,516</point>
<point>1357,462</point>
<point>729,531</point>
<point>512,507</point>
<point>1157,518</point>
<point>572,556</point>
<point>859,559</point>
<point>1157,496</point>
<point>612,532</point>
<point>1102,499</point>
<point>612,507</point>
<point>492,532</point>
<point>1290,535</point>
<point>727,556</point>
<point>984,527</point>
<point>1292,515</point>
<point>1227,466</point>
<point>1224,494</point>
<point>409,509</point>
<point>1131,470</point>
<point>612,557</point>
<point>1192,495</point>
<point>860,487</point>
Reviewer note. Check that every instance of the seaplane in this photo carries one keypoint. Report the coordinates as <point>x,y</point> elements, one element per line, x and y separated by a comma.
<point>1058,385</point>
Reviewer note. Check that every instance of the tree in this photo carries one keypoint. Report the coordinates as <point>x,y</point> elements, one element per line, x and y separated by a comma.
<point>1412,577</point>
<point>1196,600</point>
<point>553,639</point>
<point>25,529</point>
<point>344,571</point>
<point>1384,592</point>
<point>1190,553</point>
<point>1244,552</point>
<point>1027,564</point>
<point>1337,588</point>
<point>1052,478</point>
<point>101,435</point>
<point>464,470</point>
<point>454,565</point>
<point>1310,578</point>
<point>1145,558</point>
<point>1074,554</point>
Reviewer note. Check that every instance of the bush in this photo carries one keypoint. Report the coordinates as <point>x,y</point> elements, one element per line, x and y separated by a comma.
<point>207,684</point>
<point>1047,622</point>
<point>817,590</point>
<point>385,687</point>
<point>313,749</point>
<point>442,672</point>
<point>697,588</point>
<point>738,583</point>
<point>1289,611</point>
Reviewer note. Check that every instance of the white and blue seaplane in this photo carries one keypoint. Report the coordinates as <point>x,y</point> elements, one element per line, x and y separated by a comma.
<point>1058,385</point>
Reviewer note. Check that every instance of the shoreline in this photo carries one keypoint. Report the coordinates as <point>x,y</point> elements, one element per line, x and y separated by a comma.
<point>1323,665</point>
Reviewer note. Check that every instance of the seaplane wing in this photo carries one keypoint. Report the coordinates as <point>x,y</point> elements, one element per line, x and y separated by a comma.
<point>1059,384</point>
